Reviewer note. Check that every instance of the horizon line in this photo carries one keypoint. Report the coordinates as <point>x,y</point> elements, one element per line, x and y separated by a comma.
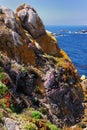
<point>64,25</point>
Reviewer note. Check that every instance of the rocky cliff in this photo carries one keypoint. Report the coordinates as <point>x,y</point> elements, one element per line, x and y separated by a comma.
<point>35,74</point>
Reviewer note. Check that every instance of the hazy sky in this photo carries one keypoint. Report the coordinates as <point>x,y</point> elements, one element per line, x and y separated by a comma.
<point>58,12</point>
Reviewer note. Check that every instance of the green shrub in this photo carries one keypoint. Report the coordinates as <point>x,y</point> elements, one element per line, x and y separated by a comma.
<point>30,126</point>
<point>3,89</point>
<point>36,114</point>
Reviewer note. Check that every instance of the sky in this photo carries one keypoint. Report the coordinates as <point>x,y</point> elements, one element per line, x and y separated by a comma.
<point>55,12</point>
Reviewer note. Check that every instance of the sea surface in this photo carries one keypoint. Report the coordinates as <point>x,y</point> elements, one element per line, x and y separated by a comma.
<point>73,40</point>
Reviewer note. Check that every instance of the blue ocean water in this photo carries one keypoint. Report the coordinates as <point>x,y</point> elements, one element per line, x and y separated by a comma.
<point>73,40</point>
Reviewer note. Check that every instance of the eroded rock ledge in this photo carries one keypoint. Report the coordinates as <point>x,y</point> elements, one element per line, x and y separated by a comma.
<point>35,72</point>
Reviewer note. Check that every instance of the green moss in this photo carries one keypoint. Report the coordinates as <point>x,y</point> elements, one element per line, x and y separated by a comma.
<point>43,110</point>
<point>37,90</point>
<point>3,103</point>
<point>36,115</point>
<point>1,70</point>
<point>1,115</point>
<point>1,120</point>
<point>30,126</point>
<point>3,89</point>
<point>12,107</point>
<point>80,125</point>
<point>1,74</point>
<point>52,127</point>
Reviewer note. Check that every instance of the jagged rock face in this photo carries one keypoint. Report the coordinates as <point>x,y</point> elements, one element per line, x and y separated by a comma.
<point>30,20</point>
<point>12,40</point>
<point>58,86</point>
<point>8,16</point>
<point>32,23</point>
<point>50,75</point>
<point>18,36</point>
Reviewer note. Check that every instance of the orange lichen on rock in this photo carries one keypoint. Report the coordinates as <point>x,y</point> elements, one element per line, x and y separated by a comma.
<point>18,52</point>
<point>25,54</point>
<point>63,54</point>
<point>84,88</point>
<point>49,44</point>
<point>41,86</point>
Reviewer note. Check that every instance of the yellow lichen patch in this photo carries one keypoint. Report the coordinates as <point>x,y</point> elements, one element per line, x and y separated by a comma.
<point>20,26</point>
<point>66,63</point>
<point>3,103</point>
<point>63,54</point>
<point>36,70</point>
<point>25,54</point>
<point>48,44</point>
<point>52,36</point>
<point>60,62</point>
<point>72,128</point>
<point>41,87</point>
<point>20,7</point>
<point>18,52</point>
<point>84,88</point>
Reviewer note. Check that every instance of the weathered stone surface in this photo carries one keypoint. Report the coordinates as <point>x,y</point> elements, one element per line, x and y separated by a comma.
<point>9,19</point>
<point>33,24</point>
<point>11,38</point>
<point>30,20</point>
<point>84,89</point>
<point>11,124</point>
<point>8,12</point>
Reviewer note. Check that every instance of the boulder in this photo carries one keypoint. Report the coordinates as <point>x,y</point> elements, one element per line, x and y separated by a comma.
<point>30,20</point>
<point>8,16</point>
<point>33,24</point>
<point>10,124</point>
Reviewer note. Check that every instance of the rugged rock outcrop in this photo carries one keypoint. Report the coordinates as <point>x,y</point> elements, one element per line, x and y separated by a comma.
<point>30,20</point>
<point>12,40</point>
<point>35,72</point>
